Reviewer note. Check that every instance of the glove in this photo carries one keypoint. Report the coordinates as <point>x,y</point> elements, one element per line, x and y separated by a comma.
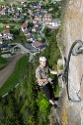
<point>49,79</point>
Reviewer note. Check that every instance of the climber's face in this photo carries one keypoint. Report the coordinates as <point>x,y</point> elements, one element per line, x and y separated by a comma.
<point>43,63</point>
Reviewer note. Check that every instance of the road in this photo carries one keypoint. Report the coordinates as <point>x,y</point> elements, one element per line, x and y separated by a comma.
<point>10,19</point>
<point>7,71</point>
<point>23,49</point>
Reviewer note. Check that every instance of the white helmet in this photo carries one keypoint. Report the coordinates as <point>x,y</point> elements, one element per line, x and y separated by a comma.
<point>42,58</point>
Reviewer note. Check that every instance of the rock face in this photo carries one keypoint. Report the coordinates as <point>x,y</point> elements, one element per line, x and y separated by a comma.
<point>68,112</point>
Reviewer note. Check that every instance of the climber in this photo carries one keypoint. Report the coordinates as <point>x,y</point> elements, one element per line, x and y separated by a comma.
<point>44,81</point>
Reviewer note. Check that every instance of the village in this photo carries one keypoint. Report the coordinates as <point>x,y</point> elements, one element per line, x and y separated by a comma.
<point>29,20</point>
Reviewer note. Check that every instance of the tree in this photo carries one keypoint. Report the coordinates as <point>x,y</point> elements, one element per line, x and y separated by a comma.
<point>14,31</point>
<point>30,24</point>
<point>47,31</point>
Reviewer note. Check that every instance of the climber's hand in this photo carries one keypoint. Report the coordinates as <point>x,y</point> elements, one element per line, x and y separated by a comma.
<point>59,73</point>
<point>49,80</point>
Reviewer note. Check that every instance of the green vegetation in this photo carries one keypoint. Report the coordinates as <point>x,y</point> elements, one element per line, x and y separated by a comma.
<point>30,24</point>
<point>47,31</point>
<point>3,62</point>
<point>43,106</point>
<point>1,29</point>
<point>56,9</point>
<point>57,90</point>
<point>4,2</point>
<point>7,19</point>
<point>43,109</point>
<point>25,104</point>
<point>15,77</point>
<point>14,29</point>
<point>20,38</point>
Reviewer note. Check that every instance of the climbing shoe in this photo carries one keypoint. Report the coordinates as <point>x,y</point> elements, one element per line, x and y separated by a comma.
<point>55,106</point>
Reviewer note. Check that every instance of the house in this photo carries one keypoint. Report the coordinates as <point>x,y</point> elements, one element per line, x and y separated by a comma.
<point>29,11</point>
<point>48,22</point>
<point>6,32</point>
<point>12,10</point>
<point>38,45</point>
<point>19,9</point>
<point>47,17</point>
<point>1,40</point>
<point>4,47</point>
<point>38,18</point>
<point>34,29</point>
<point>29,38</point>
<point>7,35</point>
<point>36,25</point>
<point>0,35</point>
<point>24,27</point>
<point>10,36</point>
<point>50,9</point>
<point>3,11</point>
<point>44,11</point>
<point>34,21</point>
<point>7,25</point>
<point>54,24</point>
<point>9,11</point>
<point>29,46</point>
<point>26,33</point>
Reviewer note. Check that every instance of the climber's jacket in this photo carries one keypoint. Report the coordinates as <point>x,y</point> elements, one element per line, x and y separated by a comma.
<point>43,73</point>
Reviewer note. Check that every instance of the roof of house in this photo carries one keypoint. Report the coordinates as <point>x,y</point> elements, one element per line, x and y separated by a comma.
<point>3,10</point>
<point>36,25</point>
<point>35,21</point>
<point>28,36</point>
<point>47,15</point>
<point>7,25</point>
<point>26,32</point>
<point>24,25</point>
<point>28,46</point>
<point>4,46</point>
<point>6,31</point>
<point>1,39</point>
<point>0,34</point>
<point>37,44</point>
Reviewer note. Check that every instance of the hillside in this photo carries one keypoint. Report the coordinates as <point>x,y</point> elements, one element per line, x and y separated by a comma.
<point>24,105</point>
<point>70,111</point>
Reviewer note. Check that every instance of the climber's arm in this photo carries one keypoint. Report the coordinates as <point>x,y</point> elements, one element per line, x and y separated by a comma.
<point>53,72</point>
<point>41,80</point>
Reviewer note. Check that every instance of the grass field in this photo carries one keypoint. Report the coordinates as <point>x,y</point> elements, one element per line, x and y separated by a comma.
<point>19,72</point>
<point>3,63</point>
<point>15,1</point>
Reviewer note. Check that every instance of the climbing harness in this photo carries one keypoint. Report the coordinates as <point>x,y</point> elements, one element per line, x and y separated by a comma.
<point>73,51</point>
